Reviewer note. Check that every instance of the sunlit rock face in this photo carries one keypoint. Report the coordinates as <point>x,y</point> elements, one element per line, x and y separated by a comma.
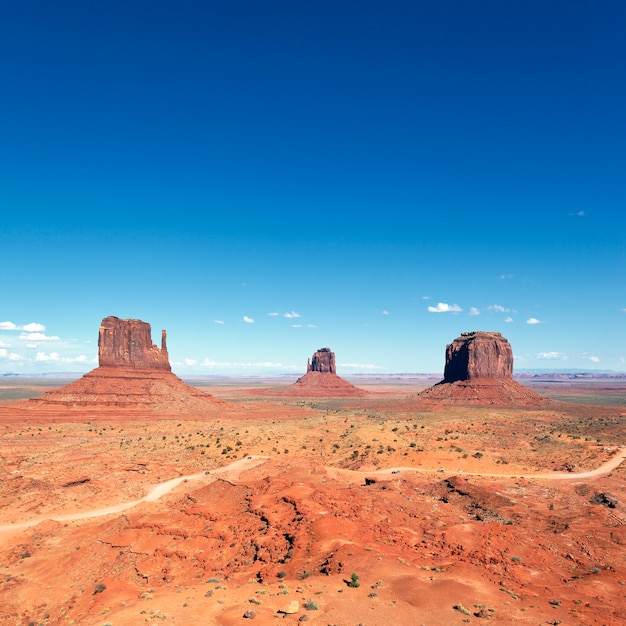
<point>478,355</point>
<point>323,361</point>
<point>128,343</point>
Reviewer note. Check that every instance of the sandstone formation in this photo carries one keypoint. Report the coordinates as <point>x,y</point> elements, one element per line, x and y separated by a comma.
<point>320,381</point>
<point>478,355</point>
<point>134,375</point>
<point>479,370</point>
<point>128,343</point>
<point>323,361</point>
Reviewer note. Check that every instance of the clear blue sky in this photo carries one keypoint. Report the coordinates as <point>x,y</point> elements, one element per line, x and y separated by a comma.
<point>263,179</point>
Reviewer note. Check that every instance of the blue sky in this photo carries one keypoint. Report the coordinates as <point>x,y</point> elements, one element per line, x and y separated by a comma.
<point>265,179</point>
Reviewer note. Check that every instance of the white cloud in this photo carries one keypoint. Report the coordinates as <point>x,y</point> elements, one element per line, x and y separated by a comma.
<point>311,326</point>
<point>33,327</point>
<point>38,337</point>
<point>292,315</point>
<point>211,364</point>
<point>533,320</point>
<point>273,314</point>
<point>474,311</point>
<point>594,359</point>
<point>550,355</point>
<point>218,321</point>
<point>296,326</point>
<point>248,320</point>
<point>426,297</point>
<point>578,214</point>
<point>11,356</point>
<point>498,308</point>
<point>508,319</point>
<point>384,312</point>
<point>32,346</point>
<point>43,357</point>
<point>442,307</point>
<point>55,357</point>
<point>191,362</point>
<point>4,345</point>
<point>505,276</point>
<point>359,366</point>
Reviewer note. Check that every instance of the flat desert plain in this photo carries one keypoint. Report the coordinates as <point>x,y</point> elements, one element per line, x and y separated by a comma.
<point>271,509</point>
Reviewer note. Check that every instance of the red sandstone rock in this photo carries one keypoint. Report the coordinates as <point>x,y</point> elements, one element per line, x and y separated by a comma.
<point>134,376</point>
<point>478,355</point>
<point>323,361</point>
<point>479,371</point>
<point>128,343</point>
<point>321,379</point>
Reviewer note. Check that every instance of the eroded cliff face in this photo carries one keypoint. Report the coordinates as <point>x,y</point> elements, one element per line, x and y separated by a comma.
<point>128,343</point>
<point>478,355</point>
<point>323,361</point>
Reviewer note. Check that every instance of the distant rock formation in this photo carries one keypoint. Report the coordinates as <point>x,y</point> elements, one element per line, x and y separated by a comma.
<point>479,371</point>
<point>478,355</point>
<point>128,343</point>
<point>321,379</point>
<point>134,375</point>
<point>323,361</point>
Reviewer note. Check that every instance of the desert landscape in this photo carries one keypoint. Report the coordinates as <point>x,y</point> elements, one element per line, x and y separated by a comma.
<point>131,497</point>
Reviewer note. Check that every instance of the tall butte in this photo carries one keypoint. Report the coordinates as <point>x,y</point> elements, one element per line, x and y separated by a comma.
<point>321,379</point>
<point>479,370</point>
<point>133,375</point>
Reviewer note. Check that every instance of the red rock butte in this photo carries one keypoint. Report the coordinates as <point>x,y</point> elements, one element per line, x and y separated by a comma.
<point>133,375</point>
<point>479,370</point>
<point>321,379</point>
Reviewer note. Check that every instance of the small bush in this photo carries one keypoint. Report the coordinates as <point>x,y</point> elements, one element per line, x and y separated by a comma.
<point>354,580</point>
<point>311,605</point>
<point>99,588</point>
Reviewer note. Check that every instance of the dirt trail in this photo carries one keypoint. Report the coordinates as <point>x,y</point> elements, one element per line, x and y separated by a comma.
<point>233,470</point>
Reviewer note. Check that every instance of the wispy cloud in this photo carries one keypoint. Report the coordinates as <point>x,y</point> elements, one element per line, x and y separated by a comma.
<point>31,327</point>
<point>426,297</point>
<point>474,311</point>
<point>505,276</point>
<point>550,355</point>
<point>533,320</point>
<point>508,319</point>
<point>578,214</point>
<point>38,337</point>
<point>292,315</point>
<point>312,326</point>
<point>359,366</point>
<point>248,320</point>
<point>442,307</point>
<point>594,359</point>
<point>384,312</point>
<point>4,345</point>
<point>273,314</point>
<point>498,308</point>
<point>296,326</point>
<point>55,357</point>
<point>218,321</point>
<point>9,356</point>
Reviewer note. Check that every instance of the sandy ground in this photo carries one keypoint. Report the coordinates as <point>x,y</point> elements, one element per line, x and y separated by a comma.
<point>111,518</point>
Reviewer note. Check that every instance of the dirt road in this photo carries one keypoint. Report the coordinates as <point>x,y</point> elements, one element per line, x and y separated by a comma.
<point>233,470</point>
